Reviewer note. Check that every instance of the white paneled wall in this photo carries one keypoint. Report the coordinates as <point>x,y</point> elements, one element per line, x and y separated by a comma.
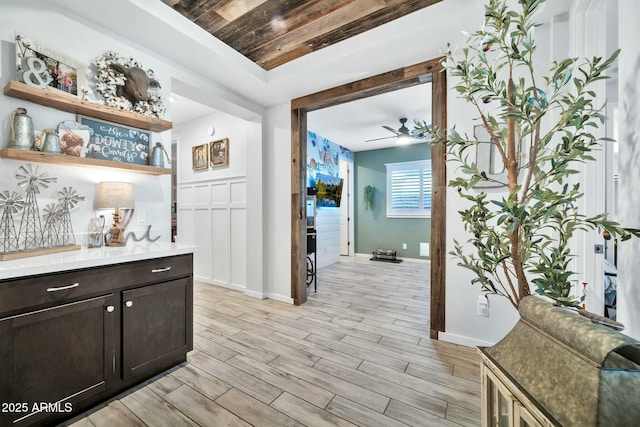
<point>328,237</point>
<point>212,215</point>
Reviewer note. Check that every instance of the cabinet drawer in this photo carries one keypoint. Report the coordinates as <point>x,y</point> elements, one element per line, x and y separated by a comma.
<point>158,270</point>
<point>36,291</point>
<point>49,289</point>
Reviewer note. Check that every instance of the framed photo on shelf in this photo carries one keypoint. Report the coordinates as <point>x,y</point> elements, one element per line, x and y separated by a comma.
<point>38,65</point>
<point>200,157</point>
<point>219,152</point>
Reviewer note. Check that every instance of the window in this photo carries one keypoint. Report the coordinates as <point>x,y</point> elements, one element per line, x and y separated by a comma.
<point>409,189</point>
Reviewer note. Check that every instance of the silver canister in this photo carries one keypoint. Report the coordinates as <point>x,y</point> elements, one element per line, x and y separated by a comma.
<point>51,141</point>
<point>157,156</point>
<point>22,136</point>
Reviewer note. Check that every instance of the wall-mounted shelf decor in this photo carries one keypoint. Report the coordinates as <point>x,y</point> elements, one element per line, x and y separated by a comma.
<point>62,159</point>
<point>71,104</point>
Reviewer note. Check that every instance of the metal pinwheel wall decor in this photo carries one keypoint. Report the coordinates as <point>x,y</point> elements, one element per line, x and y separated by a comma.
<point>31,237</point>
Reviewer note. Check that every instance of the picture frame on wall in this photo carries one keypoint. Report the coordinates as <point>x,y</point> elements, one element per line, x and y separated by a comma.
<point>200,156</point>
<point>219,152</point>
<point>40,66</point>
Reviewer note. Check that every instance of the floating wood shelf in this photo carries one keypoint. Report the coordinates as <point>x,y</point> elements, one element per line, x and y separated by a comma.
<point>63,159</point>
<point>72,104</point>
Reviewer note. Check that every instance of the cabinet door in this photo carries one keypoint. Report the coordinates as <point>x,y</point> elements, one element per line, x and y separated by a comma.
<point>157,327</point>
<point>55,357</point>
<point>523,418</point>
<point>498,403</point>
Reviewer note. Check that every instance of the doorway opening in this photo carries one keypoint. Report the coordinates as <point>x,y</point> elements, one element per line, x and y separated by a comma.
<point>346,230</point>
<point>428,71</point>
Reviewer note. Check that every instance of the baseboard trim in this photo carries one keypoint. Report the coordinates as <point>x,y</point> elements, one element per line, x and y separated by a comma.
<point>221,284</point>
<point>418,260</point>
<point>280,298</point>
<point>254,294</point>
<point>462,340</point>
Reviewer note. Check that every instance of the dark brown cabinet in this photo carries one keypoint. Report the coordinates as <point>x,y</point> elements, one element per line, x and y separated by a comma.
<point>60,355</point>
<point>70,340</point>
<point>154,326</point>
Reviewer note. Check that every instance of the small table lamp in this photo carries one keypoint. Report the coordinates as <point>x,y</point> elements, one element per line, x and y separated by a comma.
<point>116,195</point>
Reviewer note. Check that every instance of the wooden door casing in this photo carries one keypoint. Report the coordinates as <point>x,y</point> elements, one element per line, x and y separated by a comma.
<point>412,75</point>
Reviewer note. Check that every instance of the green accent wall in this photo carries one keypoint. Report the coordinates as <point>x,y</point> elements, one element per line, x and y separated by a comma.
<point>373,230</point>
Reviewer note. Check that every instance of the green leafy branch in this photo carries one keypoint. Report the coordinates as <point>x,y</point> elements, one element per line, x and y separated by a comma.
<point>541,132</point>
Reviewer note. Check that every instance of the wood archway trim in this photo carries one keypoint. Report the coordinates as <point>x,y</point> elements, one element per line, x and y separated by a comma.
<point>382,83</point>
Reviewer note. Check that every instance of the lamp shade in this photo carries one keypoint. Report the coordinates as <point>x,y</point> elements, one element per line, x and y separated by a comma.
<point>115,195</point>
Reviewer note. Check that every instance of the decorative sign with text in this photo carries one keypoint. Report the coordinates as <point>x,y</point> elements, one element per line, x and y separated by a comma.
<point>111,141</point>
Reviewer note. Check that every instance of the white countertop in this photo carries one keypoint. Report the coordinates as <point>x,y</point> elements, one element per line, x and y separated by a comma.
<point>85,258</point>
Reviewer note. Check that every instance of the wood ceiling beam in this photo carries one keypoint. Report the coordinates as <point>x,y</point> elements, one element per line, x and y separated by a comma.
<point>382,83</point>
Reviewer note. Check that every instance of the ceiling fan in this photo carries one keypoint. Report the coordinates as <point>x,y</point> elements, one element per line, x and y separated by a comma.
<point>402,134</point>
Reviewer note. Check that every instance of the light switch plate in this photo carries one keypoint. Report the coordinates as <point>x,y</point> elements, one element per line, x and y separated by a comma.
<point>483,306</point>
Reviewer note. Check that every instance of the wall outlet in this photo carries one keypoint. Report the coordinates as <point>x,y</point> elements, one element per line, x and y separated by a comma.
<point>424,249</point>
<point>483,305</point>
<point>404,246</point>
<point>142,218</point>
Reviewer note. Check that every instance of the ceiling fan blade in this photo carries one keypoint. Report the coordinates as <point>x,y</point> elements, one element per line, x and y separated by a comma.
<point>390,129</point>
<point>380,139</point>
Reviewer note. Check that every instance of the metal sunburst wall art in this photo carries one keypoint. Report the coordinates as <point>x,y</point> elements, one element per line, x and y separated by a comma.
<point>32,238</point>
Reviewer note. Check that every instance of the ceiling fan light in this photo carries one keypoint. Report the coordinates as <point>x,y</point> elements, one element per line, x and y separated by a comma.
<point>403,139</point>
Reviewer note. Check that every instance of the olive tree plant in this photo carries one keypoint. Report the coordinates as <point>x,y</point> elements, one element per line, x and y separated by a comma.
<point>541,128</point>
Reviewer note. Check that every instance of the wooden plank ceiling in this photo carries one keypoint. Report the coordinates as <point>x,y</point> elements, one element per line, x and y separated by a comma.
<point>274,32</point>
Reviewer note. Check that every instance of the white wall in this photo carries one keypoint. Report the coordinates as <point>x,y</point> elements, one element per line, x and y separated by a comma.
<point>152,193</point>
<point>277,203</point>
<point>195,133</point>
<point>212,215</point>
<point>463,325</point>
<point>212,202</point>
<point>629,201</point>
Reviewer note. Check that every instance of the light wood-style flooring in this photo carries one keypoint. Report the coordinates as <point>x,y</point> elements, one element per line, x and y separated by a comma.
<point>357,353</point>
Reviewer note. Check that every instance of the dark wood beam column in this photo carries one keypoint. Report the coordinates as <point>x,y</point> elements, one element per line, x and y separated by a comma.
<point>439,206</point>
<point>298,200</point>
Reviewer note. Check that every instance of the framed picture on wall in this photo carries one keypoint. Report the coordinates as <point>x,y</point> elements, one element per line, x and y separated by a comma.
<point>219,152</point>
<point>200,155</point>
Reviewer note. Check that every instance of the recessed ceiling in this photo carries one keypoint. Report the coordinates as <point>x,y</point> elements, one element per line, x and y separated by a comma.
<point>274,32</point>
